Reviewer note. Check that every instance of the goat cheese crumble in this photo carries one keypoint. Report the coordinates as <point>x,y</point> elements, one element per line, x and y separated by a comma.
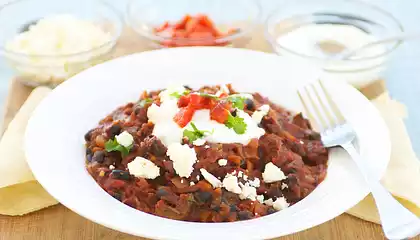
<point>142,167</point>
<point>216,183</point>
<point>183,158</point>
<point>272,173</point>
<point>125,139</point>
<point>222,162</point>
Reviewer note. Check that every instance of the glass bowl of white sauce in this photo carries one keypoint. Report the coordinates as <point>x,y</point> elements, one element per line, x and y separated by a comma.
<point>47,41</point>
<point>318,31</point>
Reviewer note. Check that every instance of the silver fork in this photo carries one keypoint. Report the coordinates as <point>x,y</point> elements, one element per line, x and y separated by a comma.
<point>397,221</point>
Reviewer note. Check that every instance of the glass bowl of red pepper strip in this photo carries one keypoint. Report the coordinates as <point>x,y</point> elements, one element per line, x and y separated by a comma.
<point>194,22</point>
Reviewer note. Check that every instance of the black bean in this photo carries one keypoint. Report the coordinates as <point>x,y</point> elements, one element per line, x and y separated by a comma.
<point>245,215</point>
<point>243,163</point>
<point>203,197</point>
<point>233,208</point>
<point>120,174</point>
<point>249,104</point>
<point>98,156</point>
<point>233,113</point>
<point>88,135</point>
<point>114,130</point>
<point>271,210</point>
<point>215,208</point>
<point>161,192</point>
<point>88,151</point>
<point>117,195</point>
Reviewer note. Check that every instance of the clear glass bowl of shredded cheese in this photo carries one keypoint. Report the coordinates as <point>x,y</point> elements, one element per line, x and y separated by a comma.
<point>318,31</point>
<point>46,42</point>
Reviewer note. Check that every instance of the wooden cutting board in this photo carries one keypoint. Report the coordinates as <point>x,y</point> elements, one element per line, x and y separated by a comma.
<point>59,223</point>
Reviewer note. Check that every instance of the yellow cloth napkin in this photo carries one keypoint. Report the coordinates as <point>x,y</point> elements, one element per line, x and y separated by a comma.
<point>403,173</point>
<point>19,192</point>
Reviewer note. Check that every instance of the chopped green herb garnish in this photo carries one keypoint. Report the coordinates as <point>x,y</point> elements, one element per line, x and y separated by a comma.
<point>178,95</point>
<point>145,101</point>
<point>195,133</point>
<point>236,123</point>
<point>208,95</point>
<point>238,101</point>
<point>113,145</point>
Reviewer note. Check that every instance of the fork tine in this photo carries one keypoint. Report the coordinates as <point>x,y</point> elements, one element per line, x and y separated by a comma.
<point>320,96</point>
<point>336,113</point>
<point>307,111</point>
<point>311,108</point>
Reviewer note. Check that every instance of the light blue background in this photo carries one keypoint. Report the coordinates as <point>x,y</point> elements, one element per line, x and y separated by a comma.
<point>403,76</point>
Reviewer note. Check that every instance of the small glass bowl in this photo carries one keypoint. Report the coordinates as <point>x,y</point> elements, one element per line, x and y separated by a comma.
<point>360,71</point>
<point>144,16</point>
<point>51,70</point>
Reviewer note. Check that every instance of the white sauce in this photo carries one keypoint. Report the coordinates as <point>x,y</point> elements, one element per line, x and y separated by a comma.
<point>169,132</point>
<point>258,115</point>
<point>223,134</point>
<point>305,39</point>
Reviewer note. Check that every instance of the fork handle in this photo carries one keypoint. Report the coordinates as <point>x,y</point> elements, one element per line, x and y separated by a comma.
<point>397,221</point>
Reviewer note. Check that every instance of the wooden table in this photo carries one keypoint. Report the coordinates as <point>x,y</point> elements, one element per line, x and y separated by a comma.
<point>59,223</point>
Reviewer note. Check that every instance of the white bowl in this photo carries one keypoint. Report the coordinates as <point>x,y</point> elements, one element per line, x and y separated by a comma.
<point>55,151</point>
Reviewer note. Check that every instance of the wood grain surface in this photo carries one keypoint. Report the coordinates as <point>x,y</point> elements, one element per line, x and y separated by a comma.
<point>58,222</point>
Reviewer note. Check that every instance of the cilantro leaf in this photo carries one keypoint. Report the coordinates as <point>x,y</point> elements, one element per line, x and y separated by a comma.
<point>208,95</point>
<point>191,135</point>
<point>238,101</point>
<point>195,133</point>
<point>145,101</point>
<point>236,123</point>
<point>114,146</point>
<point>178,95</point>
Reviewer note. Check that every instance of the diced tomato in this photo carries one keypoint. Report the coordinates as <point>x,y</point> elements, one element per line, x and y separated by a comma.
<point>162,28</point>
<point>179,34</point>
<point>181,24</point>
<point>196,30</point>
<point>219,113</point>
<point>184,116</point>
<point>191,26</point>
<point>183,101</point>
<point>205,21</point>
<point>196,101</point>
<point>222,95</point>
